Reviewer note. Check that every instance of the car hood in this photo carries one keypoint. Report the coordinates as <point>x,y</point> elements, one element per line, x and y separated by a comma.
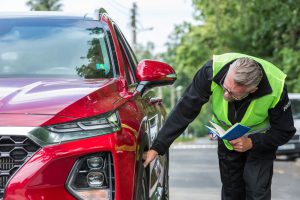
<point>70,98</point>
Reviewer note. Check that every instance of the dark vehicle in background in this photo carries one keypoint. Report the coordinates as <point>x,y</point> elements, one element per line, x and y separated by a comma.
<point>292,149</point>
<point>77,110</point>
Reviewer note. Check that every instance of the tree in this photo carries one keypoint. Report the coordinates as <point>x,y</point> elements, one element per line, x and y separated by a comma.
<point>270,31</point>
<point>44,5</point>
<point>93,69</point>
<point>267,30</point>
<point>145,52</point>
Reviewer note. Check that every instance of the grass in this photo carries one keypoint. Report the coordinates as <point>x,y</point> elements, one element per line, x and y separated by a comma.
<point>185,139</point>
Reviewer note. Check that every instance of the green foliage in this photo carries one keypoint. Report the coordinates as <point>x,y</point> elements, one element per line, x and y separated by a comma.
<point>268,30</point>
<point>145,52</point>
<point>185,139</point>
<point>44,5</point>
<point>290,62</point>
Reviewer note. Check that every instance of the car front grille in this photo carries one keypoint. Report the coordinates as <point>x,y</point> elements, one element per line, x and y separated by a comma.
<point>112,177</point>
<point>15,150</point>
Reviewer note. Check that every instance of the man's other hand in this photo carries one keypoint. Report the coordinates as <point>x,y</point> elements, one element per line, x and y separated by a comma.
<point>241,144</point>
<point>148,156</point>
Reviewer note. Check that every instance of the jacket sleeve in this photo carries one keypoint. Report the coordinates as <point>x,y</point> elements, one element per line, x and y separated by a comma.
<point>282,126</point>
<point>186,110</point>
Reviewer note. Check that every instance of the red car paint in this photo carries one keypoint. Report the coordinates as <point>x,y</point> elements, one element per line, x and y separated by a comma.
<point>40,102</point>
<point>148,73</point>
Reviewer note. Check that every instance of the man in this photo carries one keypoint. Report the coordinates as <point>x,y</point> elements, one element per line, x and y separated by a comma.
<point>243,89</point>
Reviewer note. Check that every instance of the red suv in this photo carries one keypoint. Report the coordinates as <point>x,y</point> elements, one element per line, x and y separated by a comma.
<point>77,110</point>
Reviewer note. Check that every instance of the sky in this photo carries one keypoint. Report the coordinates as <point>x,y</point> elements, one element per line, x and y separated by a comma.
<point>159,15</point>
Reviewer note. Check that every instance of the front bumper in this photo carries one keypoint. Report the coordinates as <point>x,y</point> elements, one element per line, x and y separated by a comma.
<point>290,148</point>
<point>15,151</point>
<point>44,174</point>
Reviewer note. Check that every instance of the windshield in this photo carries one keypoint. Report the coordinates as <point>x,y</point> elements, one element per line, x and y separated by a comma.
<point>39,47</point>
<point>296,108</point>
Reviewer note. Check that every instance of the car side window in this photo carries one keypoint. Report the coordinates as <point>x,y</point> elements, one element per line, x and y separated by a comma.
<point>127,54</point>
<point>128,75</point>
<point>111,48</point>
<point>130,51</point>
<point>127,66</point>
<point>124,62</point>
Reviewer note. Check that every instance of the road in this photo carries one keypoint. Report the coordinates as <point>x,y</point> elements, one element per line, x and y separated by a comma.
<point>194,174</point>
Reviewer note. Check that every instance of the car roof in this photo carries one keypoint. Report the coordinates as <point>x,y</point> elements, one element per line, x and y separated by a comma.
<point>50,14</point>
<point>294,95</point>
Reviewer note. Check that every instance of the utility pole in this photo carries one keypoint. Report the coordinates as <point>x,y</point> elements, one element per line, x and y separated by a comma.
<point>133,25</point>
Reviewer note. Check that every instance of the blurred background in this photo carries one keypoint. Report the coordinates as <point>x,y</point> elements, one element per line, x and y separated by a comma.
<point>185,34</point>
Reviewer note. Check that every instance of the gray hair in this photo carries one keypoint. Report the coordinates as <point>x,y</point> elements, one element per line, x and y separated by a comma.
<point>247,72</point>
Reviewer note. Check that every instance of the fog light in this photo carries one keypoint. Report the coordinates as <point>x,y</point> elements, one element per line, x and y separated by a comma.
<point>95,162</point>
<point>94,194</point>
<point>95,179</point>
<point>92,177</point>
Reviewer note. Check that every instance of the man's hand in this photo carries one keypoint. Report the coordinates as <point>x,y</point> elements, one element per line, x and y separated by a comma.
<point>241,144</point>
<point>149,156</point>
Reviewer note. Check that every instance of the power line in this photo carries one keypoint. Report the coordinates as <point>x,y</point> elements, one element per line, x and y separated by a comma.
<point>134,22</point>
<point>120,5</point>
<point>122,11</point>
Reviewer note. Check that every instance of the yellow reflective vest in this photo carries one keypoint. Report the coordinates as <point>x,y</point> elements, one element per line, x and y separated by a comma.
<point>256,115</point>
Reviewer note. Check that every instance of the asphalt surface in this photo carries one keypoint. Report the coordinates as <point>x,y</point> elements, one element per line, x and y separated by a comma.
<point>194,174</point>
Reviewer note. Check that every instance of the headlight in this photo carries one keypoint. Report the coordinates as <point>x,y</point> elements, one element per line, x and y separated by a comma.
<point>79,129</point>
<point>92,177</point>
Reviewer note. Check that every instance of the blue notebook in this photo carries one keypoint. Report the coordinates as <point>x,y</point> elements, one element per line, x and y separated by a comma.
<point>234,132</point>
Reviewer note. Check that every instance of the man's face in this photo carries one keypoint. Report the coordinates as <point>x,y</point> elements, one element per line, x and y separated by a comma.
<point>233,91</point>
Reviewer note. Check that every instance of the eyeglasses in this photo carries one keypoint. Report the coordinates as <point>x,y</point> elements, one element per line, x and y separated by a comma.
<point>234,97</point>
<point>229,92</point>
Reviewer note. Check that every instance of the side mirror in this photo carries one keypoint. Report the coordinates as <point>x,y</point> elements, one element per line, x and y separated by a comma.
<point>152,73</point>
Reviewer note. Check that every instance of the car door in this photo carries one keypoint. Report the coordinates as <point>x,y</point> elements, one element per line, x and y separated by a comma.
<point>153,110</point>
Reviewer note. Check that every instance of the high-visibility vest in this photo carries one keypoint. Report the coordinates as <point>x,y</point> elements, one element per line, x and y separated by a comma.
<point>256,115</point>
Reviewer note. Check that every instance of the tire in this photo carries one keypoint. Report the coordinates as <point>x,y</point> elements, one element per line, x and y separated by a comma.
<point>165,194</point>
<point>291,158</point>
<point>142,192</point>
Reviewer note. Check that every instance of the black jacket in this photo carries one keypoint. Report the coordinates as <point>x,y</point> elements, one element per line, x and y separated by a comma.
<point>198,93</point>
